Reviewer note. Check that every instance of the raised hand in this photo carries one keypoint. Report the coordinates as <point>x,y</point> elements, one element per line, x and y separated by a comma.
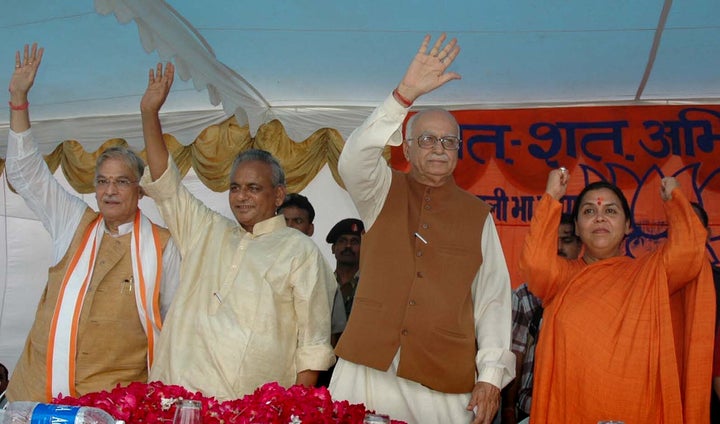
<point>159,84</point>
<point>557,183</point>
<point>25,70</point>
<point>156,93</point>
<point>428,70</point>
<point>667,185</point>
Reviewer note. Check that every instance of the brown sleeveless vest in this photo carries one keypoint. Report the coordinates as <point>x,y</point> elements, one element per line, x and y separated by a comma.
<point>416,296</point>
<point>111,343</point>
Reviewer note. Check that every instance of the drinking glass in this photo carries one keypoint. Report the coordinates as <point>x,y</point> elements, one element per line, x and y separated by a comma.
<point>371,418</point>
<point>188,412</point>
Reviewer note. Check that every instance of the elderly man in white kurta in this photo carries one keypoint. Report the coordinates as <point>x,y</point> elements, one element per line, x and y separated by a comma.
<point>254,300</point>
<point>428,340</point>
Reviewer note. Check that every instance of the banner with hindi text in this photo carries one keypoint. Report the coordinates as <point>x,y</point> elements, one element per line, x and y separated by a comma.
<point>506,155</point>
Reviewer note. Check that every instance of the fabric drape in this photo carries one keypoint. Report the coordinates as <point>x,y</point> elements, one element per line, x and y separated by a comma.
<point>212,152</point>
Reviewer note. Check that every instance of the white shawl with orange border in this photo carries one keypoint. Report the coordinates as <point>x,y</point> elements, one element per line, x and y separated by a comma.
<point>146,252</point>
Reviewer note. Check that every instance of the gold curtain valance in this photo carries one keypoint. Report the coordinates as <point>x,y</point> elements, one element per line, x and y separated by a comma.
<point>212,153</point>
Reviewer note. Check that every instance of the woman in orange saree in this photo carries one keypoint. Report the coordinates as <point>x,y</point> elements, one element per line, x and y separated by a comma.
<point>622,338</point>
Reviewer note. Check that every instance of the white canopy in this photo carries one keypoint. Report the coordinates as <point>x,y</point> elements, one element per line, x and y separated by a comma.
<point>322,63</point>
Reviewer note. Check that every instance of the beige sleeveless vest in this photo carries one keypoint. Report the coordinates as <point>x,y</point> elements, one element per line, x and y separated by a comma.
<point>111,343</point>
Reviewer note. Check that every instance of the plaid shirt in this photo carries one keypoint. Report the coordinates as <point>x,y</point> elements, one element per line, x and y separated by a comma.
<point>524,307</point>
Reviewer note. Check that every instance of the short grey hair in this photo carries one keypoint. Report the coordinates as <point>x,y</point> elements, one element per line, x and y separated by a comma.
<point>131,159</point>
<point>258,155</point>
<point>411,121</point>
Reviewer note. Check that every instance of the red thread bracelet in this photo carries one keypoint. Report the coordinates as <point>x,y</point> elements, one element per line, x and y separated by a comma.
<point>23,106</point>
<point>405,102</point>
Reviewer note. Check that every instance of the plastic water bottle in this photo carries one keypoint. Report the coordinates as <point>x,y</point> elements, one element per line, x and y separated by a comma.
<point>43,413</point>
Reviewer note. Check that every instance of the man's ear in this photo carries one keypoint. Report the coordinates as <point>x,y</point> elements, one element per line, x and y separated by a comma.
<point>280,192</point>
<point>311,230</point>
<point>406,148</point>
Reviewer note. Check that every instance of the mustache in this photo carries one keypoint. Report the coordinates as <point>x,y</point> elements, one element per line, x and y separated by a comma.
<point>441,156</point>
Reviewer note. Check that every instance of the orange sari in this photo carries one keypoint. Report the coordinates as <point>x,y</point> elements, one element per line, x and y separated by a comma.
<point>624,339</point>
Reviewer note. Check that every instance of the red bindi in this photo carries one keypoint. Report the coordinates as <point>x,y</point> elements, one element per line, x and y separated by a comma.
<point>599,201</point>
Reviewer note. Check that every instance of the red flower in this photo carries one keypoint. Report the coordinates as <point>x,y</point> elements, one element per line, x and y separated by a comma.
<point>140,403</point>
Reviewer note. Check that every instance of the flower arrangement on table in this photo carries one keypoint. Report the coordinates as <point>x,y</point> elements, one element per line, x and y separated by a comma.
<point>272,404</point>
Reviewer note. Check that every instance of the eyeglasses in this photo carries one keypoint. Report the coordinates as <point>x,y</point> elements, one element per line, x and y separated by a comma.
<point>121,183</point>
<point>449,142</point>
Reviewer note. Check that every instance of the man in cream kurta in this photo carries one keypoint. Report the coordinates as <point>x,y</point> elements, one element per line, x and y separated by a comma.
<point>253,304</point>
<point>368,180</point>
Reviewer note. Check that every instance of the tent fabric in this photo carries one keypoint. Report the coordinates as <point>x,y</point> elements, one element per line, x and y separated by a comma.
<point>161,28</point>
<point>318,64</point>
<point>212,153</point>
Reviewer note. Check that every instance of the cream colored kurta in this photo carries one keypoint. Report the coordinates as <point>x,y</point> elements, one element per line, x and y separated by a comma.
<point>367,178</point>
<point>251,307</point>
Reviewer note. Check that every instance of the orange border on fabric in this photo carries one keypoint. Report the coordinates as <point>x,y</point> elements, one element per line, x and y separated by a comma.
<point>156,298</point>
<point>141,286</point>
<point>53,325</point>
<point>158,277</point>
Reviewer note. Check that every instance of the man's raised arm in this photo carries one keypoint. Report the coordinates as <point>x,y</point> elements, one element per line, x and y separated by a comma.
<point>159,84</point>
<point>20,82</point>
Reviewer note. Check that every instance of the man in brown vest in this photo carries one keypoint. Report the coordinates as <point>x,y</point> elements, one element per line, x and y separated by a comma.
<point>428,340</point>
<point>101,312</point>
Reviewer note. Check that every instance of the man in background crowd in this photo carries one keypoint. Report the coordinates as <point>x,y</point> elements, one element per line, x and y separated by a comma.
<point>345,239</point>
<point>299,213</point>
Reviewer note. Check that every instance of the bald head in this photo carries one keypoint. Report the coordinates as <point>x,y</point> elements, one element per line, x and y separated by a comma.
<point>433,114</point>
<point>431,164</point>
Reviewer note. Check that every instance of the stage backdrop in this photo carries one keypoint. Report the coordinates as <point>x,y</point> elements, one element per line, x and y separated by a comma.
<point>505,158</point>
<point>506,155</point>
